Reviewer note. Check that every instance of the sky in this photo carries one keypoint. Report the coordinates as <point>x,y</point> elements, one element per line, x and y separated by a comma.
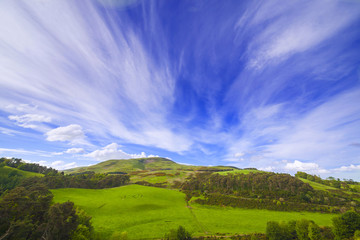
<point>269,84</point>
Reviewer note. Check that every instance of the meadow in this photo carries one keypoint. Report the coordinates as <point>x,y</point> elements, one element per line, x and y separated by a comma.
<point>148,212</point>
<point>5,170</point>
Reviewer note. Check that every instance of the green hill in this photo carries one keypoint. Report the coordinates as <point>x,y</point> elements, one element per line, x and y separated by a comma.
<point>5,171</point>
<point>156,171</point>
<point>142,164</point>
<point>148,212</point>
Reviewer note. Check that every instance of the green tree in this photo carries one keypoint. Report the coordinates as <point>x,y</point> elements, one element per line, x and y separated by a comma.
<point>346,225</point>
<point>302,229</point>
<point>357,235</point>
<point>61,221</point>
<point>314,231</point>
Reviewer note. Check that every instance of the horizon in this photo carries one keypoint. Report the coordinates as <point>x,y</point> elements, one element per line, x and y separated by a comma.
<point>269,85</point>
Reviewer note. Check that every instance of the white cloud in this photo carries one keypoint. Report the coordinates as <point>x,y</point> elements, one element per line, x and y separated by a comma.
<point>301,166</point>
<point>111,151</point>
<point>30,120</point>
<point>349,168</point>
<point>87,70</point>
<point>21,107</point>
<point>239,154</point>
<point>75,150</point>
<point>72,133</point>
<point>61,165</point>
<point>296,27</point>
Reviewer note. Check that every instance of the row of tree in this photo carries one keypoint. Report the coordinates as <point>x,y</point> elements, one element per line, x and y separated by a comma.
<point>88,180</point>
<point>27,213</point>
<point>264,190</point>
<point>30,167</point>
<point>345,226</point>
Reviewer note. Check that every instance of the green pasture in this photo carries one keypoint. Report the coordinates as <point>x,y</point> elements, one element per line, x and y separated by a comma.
<point>5,170</point>
<point>229,221</point>
<point>148,212</point>
<point>244,171</point>
<point>140,211</point>
<point>317,186</point>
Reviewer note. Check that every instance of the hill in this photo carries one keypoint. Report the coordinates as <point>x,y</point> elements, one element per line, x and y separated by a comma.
<point>5,171</point>
<point>159,172</point>
<point>143,164</point>
<point>149,212</point>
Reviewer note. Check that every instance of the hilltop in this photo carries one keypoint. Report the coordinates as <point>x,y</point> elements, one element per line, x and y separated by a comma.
<point>143,164</point>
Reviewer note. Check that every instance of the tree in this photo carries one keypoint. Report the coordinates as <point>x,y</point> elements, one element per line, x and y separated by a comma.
<point>275,231</point>
<point>314,231</point>
<point>302,229</point>
<point>346,225</point>
<point>61,221</point>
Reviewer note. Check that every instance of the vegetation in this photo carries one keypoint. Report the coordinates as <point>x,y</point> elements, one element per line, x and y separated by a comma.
<point>264,190</point>
<point>29,167</point>
<point>11,177</point>
<point>27,213</point>
<point>345,226</point>
<point>213,202</point>
<point>145,212</point>
<point>88,180</point>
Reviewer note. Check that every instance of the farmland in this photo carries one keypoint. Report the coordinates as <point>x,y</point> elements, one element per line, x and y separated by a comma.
<point>148,212</point>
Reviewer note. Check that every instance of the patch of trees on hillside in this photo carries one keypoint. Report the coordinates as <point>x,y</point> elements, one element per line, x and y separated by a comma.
<point>330,181</point>
<point>264,190</point>
<point>27,213</point>
<point>89,180</point>
<point>345,226</point>
<point>30,167</point>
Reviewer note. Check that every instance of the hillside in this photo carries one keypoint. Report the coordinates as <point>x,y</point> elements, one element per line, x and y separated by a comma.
<point>5,171</point>
<point>159,172</point>
<point>142,164</point>
<point>148,213</point>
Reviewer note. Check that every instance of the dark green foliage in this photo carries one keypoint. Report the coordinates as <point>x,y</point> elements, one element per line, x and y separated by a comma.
<point>9,181</point>
<point>30,167</point>
<point>346,225</point>
<point>302,229</point>
<point>326,233</point>
<point>278,231</point>
<point>264,190</point>
<point>88,180</point>
<point>61,221</point>
<point>357,235</point>
<point>27,213</point>
<point>179,234</point>
<point>314,231</point>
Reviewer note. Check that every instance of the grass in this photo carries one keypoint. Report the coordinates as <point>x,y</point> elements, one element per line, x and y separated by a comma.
<point>244,171</point>
<point>148,212</point>
<point>140,211</point>
<point>5,170</point>
<point>317,186</point>
<point>229,221</point>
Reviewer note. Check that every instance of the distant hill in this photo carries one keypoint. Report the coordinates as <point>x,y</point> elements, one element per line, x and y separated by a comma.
<point>143,164</point>
<point>158,172</point>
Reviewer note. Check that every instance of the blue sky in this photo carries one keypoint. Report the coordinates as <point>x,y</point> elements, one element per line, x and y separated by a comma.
<point>267,84</point>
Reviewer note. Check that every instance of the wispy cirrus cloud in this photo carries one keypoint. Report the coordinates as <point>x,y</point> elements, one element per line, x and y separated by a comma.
<point>101,77</point>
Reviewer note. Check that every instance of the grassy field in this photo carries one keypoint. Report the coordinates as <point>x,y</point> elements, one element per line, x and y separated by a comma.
<point>148,212</point>
<point>141,211</point>
<point>244,171</point>
<point>5,170</point>
<point>228,221</point>
<point>317,186</point>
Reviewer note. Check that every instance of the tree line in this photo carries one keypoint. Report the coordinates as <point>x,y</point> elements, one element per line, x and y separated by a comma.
<point>264,190</point>
<point>89,180</point>
<point>28,213</point>
<point>30,167</point>
<point>345,226</point>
